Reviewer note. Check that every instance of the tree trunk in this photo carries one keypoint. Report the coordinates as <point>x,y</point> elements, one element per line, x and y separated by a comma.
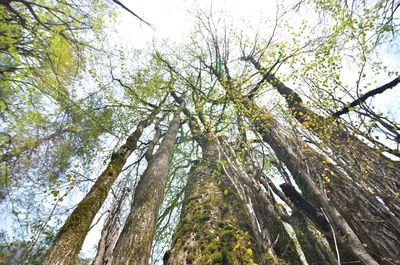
<point>273,234</point>
<point>362,162</point>
<point>272,225</point>
<point>215,227</point>
<point>134,244</point>
<point>293,154</point>
<point>65,249</point>
<point>315,250</point>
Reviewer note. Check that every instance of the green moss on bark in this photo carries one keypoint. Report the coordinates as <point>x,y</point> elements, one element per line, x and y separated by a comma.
<point>213,230</point>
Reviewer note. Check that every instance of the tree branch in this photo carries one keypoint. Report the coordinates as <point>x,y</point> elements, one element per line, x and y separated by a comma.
<point>364,97</point>
<point>130,11</point>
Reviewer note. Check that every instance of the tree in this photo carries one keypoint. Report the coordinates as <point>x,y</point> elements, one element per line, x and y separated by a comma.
<point>70,238</point>
<point>134,244</point>
<point>269,164</point>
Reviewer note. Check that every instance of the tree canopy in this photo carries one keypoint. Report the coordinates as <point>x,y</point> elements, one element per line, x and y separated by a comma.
<point>239,142</point>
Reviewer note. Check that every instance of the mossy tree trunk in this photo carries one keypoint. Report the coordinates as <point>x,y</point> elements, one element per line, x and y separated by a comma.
<point>134,244</point>
<point>362,162</point>
<point>69,240</point>
<point>215,227</point>
<point>293,153</point>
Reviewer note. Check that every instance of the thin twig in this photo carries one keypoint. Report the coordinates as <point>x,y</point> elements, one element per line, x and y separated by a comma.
<point>334,236</point>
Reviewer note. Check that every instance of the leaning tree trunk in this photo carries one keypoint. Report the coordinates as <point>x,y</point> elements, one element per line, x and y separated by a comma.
<point>134,245</point>
<point>215,227</point>
<point>307,166</point>
<point>315,250</point>
<point>362,162</point>
<point>68,243</point>
<point>289,151</point>
<point>310,169</point>
<point>273,234</point>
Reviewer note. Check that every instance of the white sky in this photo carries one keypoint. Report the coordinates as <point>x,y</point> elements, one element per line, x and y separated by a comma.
<point>173,19</point>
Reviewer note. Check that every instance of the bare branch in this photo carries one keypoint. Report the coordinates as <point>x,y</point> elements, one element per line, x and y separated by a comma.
<point>369,94</point>
<point>133,13</point>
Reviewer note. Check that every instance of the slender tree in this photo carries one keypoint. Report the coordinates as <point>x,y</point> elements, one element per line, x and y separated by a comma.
<point>111,229</point>
<point>134,244</point>
<point>70,238</point>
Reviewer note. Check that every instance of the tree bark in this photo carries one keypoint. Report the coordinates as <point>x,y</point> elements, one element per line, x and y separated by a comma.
<point>215,227</point>
<point>109,233</point>
<point>273,234</point>
<point>310,169</point>
<point>134,244</point>
<point>363,163</point>
<point>66,247</point>
<point>315,250</point>
<point>291,153</point>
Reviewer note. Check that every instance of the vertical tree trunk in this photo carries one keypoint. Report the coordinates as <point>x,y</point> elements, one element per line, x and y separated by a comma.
<point>134,244</point>
<point>215,227</point>
<point>65,249</point>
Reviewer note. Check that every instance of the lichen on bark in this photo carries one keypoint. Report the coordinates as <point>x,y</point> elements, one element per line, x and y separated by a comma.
<point>215,227</point>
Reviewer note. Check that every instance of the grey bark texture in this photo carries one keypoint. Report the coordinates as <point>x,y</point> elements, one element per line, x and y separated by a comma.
<point>134,244</point>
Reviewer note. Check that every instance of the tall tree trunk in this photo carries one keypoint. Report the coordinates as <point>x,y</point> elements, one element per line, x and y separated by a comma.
<point>307,166</point>
<point>310,169</point>
<point>215,227</point>
<point>134,244</point>
<point>315,248</point>
<point>68,243</point>
<point>274,229</point>
<point>273,233</point>
<point>361,161</point>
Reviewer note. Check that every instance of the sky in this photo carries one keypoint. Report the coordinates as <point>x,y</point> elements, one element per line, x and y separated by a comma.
<point>174,19</point>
